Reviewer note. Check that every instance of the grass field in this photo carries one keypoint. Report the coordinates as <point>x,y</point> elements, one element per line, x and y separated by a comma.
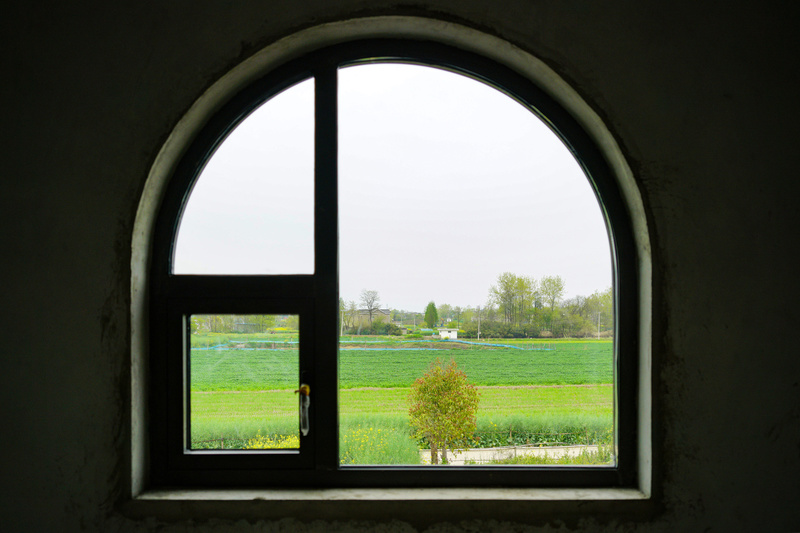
<point>558,396</point>
<point>572,363</point>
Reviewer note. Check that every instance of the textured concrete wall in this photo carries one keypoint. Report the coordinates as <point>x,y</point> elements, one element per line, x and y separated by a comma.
<point>701,97</point>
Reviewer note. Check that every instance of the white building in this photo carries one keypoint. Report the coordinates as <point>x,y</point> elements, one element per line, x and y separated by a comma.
<point>448,333</point>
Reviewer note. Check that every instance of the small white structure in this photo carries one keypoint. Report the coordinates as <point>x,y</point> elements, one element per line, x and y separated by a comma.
<point>448,333</point>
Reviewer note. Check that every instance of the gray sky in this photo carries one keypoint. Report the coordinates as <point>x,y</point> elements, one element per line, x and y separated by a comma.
<point>445,183</point>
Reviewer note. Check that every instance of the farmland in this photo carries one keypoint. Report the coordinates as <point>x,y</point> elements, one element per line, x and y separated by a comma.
<point>573,363</point>
<point>528,395</point>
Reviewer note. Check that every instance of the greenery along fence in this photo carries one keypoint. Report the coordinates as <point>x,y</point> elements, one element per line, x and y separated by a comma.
<point>579,436</point>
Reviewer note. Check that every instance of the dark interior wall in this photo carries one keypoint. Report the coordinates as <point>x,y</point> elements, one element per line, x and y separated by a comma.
<point>701,97</point>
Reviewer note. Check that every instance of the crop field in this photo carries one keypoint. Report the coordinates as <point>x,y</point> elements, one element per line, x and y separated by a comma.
<point>256,369</point>
<point>502,409</point>
<point>559,395</point>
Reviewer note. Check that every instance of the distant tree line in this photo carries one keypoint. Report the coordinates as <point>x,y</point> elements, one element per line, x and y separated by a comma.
<point>516,307</point>
<point>202,324</point>
<point>522,306</point>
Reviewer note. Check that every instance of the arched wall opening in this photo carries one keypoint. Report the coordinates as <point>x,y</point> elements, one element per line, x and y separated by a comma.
<point>303,42</point>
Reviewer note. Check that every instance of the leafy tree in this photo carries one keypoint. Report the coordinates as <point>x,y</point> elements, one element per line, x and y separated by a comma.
<point>468,314</point>
<point>263,322</point>
<point>552,290</point>
<point>199,324</point>
<point>445,312</point>
<point>443,408</point>
<point>457,312</point>
<point>292,322</point>
<point>600,310</point>
<point>215,323</point>
<point>487,312</point>
<point>514,295</point>
<point>431,315</point>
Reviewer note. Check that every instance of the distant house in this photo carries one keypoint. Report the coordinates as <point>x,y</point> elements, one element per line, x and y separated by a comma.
<point>448,333</point>
<point>362,319</point>
<point>246,327</point>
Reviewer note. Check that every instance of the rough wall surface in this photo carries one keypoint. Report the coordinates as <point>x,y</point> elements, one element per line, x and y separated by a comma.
<point>700,95</point>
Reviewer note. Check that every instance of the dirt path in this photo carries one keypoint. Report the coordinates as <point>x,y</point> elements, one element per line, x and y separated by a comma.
<point>487,455</point>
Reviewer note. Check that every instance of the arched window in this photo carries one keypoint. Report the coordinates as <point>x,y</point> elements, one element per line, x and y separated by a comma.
<point>388,171</point>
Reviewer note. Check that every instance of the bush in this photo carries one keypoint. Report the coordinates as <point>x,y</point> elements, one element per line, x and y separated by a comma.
<point>443,409</point>
<point>271,442</point>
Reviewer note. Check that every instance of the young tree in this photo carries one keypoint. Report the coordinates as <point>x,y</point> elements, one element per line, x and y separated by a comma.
<point>431,316</point>
<point>443,408</point>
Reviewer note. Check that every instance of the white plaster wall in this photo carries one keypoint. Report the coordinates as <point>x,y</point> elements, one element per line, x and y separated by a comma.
<point>701,97</point>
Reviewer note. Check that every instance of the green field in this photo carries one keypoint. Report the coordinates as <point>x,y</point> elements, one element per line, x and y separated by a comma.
<point>572,363</point>
<point>562,395</point>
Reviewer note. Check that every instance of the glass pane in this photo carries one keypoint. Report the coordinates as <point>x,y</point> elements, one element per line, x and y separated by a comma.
<point>469,234</point>
<point>252,208</point>
<point>243,374</point>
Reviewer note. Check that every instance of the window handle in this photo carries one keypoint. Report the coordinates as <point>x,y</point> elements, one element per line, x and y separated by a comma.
<point>305,401</point>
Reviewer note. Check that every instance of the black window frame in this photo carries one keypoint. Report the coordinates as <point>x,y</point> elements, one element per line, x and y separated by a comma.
<point>173,298</point>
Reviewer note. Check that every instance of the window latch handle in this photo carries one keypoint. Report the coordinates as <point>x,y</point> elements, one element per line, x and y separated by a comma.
<point>305,401</point>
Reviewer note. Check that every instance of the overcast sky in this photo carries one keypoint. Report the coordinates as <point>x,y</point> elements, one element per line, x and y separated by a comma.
<point>444,183</point>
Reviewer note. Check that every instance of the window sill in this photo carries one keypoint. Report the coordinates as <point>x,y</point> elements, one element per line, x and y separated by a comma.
<point>389,494</point>
<point>419,507</point>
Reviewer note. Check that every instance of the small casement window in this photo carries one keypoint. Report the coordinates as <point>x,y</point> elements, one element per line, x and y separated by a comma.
<point>333,185</point>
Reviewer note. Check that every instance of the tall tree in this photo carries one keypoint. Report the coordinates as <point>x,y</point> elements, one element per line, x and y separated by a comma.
<point>431,315</point>
<point>263,322</point>
<point>469,314</point>
<point>514,295</point>
<point>525,290</point>
<point>445,312</point>
<point>600,309</point>
<point>371,302</point>
<point>552,290</point>
<point>502,294</point>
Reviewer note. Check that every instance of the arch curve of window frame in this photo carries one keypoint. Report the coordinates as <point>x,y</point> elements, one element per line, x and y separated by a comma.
<point>315,296</point>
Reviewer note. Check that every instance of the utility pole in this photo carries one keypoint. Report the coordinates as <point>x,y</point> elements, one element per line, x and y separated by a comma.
<point>479,322</point>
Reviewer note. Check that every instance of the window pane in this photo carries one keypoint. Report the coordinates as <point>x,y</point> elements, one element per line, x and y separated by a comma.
<point>453,193</point>
<point>252,208</point>
<point>243,375</point>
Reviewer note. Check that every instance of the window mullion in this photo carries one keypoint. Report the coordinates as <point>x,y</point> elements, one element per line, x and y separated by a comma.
<point>326,233</point>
